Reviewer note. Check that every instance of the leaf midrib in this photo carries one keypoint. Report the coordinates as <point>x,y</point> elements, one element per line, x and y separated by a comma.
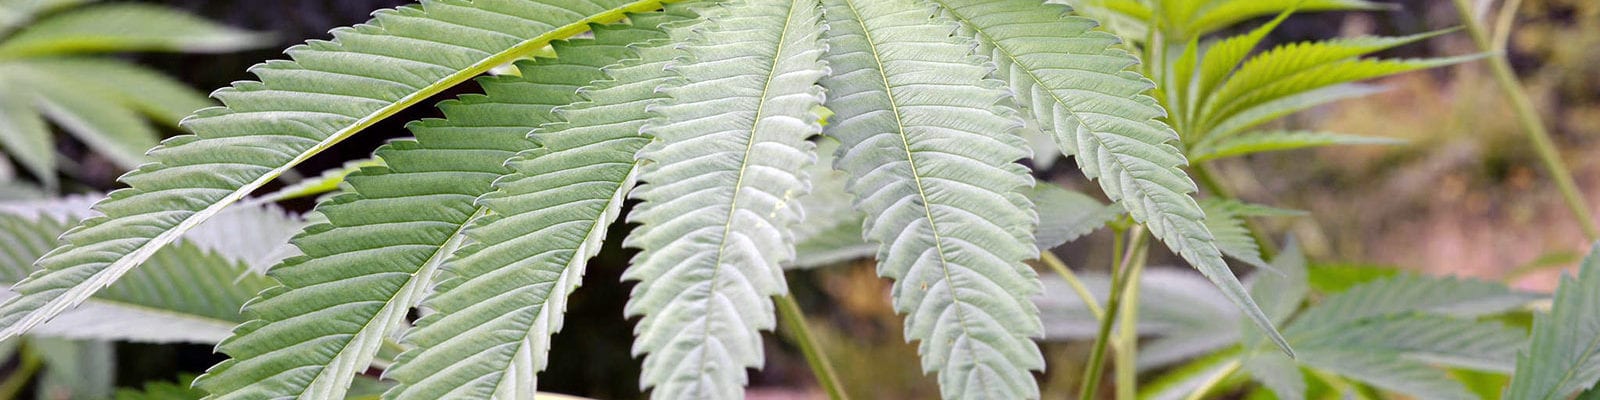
<point>933,226</point>
<point>744,163</point>
<point>115,269</point>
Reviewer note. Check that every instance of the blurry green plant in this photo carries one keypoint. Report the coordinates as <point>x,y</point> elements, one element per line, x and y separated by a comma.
<point>53,66</point>
<point>713,109</point>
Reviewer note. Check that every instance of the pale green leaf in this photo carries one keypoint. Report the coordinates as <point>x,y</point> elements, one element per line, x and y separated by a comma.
<point>1565,354</point>
<point>831,231</point>
<point>162,98</point>
<point>1182,312</point>
<point>24,135</point>
<point>720,188</point>
<point>1387,371</point>
<point>1403,294</point>
<point>932,157</point>
<point>1076,84</point>
<point>117,27</point>
<point>108,126</point>
<point>1486,345</point>
<point>1066,215</point>
<point>500,298</point>
<point>149,305</point>
<point>388,234</point>
<point>1226,220</point>
<point>1278,373</point>
<point>331,91</point>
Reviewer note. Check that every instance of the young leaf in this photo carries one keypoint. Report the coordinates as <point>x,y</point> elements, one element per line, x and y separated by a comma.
<point>1261,142</point>
<point>719,191</point>
<point>333,89</point>
<point>932,160</point>
<point>1076,84</point>
<point>1565,354</point>
<point>500,298</point>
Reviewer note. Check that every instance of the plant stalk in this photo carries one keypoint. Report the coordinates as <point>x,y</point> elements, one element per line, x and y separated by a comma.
<point>1202,174</point>
<point>1127,341</point>
<point>1061,269</point>
<point>1211,383</point>
<point>1529,118</point>
<point>26,368</point>
<point>801,335</point>
<point>1093,370</point>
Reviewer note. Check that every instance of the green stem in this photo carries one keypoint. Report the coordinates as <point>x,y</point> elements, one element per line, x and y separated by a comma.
<point>1215,380</point>
<point>1529,118</point>
<point>1127,341</point>
<point>1078,287</point>
<point>801,335</point>
<point>1202,174</point>
<point>26,368</point>
<point>1093,370</point>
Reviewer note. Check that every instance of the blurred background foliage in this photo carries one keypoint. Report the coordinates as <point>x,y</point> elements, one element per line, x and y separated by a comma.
<point>1463,196</point>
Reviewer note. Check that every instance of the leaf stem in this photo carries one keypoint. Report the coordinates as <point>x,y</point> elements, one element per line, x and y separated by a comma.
<point>1093,370</point>
<point>800,334</point>
<point>26,368</point>
<point>1127,340</point>
<point>1529,118</point>
<point>1061,269</point>
<point>1202,173</point>
<point>1211,383</point>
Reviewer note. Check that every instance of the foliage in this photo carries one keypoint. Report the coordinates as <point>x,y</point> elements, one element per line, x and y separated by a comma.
<point>51,69</point>
<point>756,135</point>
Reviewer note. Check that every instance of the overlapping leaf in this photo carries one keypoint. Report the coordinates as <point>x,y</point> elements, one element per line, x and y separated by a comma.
<point>501,296</point>
<point>932,156</point>
<point>721,183</point>
<point>332,90</point>
<point>191,292</point>
<point>1077,86</point>
<point>1565,354</point>
<point>385,238</point>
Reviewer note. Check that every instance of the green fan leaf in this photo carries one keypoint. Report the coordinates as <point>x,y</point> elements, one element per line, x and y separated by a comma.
<point>1565,355</point>
<point>932,157</point>
<point>104,123</point>
<point>24,135</point>
<point>1404,294</point>
<point>162,98</point>
<point>720,189</point>
<point>1260,142</point>
<point>125,27</point>
<point>1387,371</point>
<point>1226,220</point>
<point>1076,84</point>
<point>831,231</point>
<point>386,238</point>
<point>1066,215</point>
<point>190,292</point>
<point>499,298</point>
<point>1486,346</point>
<point>332,90</point>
